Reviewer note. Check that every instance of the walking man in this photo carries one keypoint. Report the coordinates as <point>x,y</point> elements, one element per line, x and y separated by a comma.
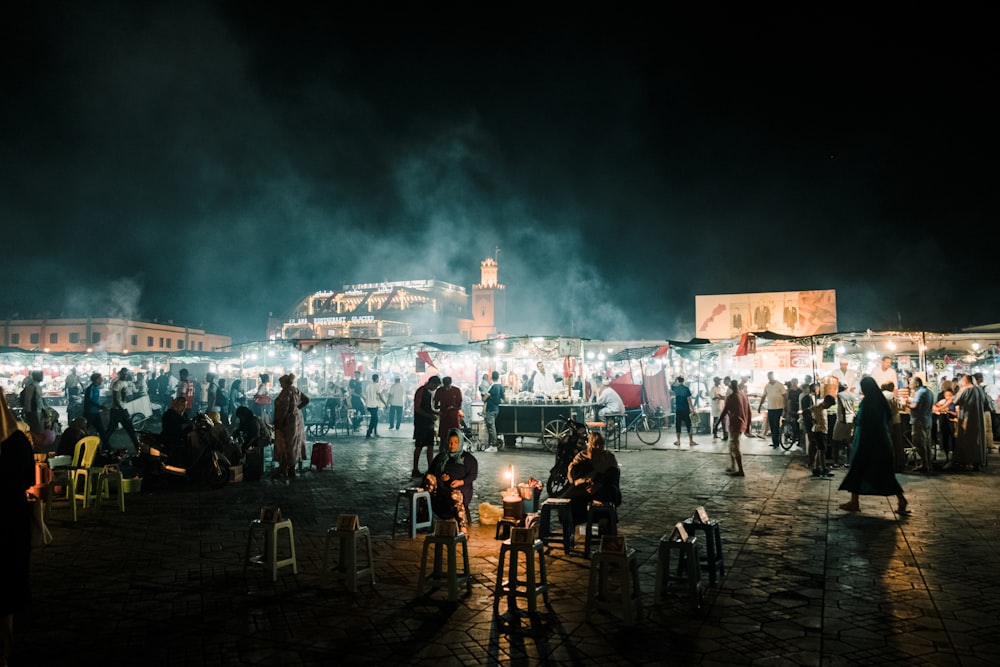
<point>774,395</point>
<point>736,408</point>
<point>374,400</point>
<point>424,422</point>
<point>397,396</point>
<point>119,413</point>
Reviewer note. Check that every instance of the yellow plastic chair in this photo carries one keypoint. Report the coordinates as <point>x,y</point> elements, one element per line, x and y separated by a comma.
<point>84,453</point>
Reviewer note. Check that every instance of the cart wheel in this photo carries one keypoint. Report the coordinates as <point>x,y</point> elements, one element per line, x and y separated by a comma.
<point>647,430</point>
<point>138,420</point>
<point>553,432</point>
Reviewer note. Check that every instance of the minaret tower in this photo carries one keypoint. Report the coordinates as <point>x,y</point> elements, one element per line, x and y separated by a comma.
<point>488,301</point>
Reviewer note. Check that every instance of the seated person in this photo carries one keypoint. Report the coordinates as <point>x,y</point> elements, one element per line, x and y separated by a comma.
<point>175,427</point>
<point>449,481</point>
<point>593,475</point>
<point>608,402</point>
<point>76,430</point>
<point>250,431</point>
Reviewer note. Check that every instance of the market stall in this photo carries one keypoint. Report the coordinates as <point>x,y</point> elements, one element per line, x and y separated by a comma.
<point>542,376</point>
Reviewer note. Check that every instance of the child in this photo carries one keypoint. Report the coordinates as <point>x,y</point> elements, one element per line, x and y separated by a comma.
<point>817,438</point>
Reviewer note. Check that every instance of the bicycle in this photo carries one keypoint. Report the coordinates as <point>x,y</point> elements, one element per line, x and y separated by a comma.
<point>788,435</point>
<point>645,425</point>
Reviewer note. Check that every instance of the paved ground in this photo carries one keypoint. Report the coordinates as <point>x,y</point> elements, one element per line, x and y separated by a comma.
<point>805,583</point>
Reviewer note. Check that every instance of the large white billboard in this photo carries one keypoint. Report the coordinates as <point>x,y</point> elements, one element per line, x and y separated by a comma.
<point>720,316</point>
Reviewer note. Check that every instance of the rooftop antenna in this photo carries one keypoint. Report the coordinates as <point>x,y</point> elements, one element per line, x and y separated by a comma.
<point>496,255</point>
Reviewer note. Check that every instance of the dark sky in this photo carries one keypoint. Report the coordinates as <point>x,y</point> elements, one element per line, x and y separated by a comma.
<point>211,162</point>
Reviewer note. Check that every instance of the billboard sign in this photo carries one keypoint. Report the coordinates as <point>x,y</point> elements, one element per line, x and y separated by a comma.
<point>721,316</point>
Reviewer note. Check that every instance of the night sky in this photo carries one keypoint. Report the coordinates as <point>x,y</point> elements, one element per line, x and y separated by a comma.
<point>210,163</point>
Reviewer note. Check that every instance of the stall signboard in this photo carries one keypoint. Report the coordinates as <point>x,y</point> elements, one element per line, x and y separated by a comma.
<point>722,316</point>
<point>776,357</point>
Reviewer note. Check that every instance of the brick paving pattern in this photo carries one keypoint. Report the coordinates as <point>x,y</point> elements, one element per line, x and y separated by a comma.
<point>805,583</point>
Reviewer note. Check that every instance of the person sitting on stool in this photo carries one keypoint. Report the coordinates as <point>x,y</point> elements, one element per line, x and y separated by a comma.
<point>593,475</point>
<point>449,481</point>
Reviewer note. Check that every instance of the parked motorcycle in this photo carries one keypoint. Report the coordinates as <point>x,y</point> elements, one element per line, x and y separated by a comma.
<point>571,441</point>
<point>208,457</point>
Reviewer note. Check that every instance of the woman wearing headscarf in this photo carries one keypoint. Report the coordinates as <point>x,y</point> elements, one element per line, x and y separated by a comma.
<point>449,480</point>
<point>872,469</point>
<point>289,426</point>
<point>971,446</point>
<point>17,475</point>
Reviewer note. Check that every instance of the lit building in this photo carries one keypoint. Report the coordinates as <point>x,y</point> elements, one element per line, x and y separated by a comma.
<point>397,309</point>
<point>116,335</point>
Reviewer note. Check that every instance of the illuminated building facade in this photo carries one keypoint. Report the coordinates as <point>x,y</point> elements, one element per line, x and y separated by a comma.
<point>109,334</point>
<point>398,308</point>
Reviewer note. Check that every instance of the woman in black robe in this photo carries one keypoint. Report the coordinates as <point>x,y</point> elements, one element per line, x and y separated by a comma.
<point>872,469</point>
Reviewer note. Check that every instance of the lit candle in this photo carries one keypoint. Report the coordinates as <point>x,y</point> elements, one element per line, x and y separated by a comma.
<point>510,474</point>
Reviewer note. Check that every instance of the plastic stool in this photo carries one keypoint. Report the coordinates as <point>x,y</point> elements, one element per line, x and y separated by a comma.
<point>451,577</point>
<point>686,580</point>
<point>531,587</point>
<point>104,479</point>
<point>414,496</point>
<point>322,455</point>
<point>347,557</point>
<point>596,511</point>
<point>713,547</point>
<point>626,566</point>
<point>561,507</point>
<point>269,556</point>
<point>504,524</point>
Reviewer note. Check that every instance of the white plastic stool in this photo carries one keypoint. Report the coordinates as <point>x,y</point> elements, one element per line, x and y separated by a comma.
<point>625,565</point>
<point>269,556</point>
<point>103,481</point>
<point>414,497</point>
<point>452,577</point>
<point>347,557</point>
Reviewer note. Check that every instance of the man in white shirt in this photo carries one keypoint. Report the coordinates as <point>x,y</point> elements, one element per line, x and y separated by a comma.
<point>397,398</point>
<point>542,383</point>
<point>845,376</point>
<point>886,373</point>
<point>608,402</point>
<point>774,395</point>
<point>374,400</point>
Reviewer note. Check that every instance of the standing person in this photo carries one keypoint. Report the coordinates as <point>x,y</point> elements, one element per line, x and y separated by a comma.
<point>885,373</point>
<point>542,382</point>
<point>185,390</point>
<point>119,412</point>
<point>448,405</point>
<point>262,397</point>
<point>484,386</point>
<point>17,475</point>
<point>817,437</point>
<point>683,407</point>
<point>424,422</point>
<point>871,472</point>
<point>736,409</point>
<point>354,385</point>
<point>898,449</point>
<point>774,395</point>
<point>237,397</point>
<point>73,389</point>
<point>200,395</point>
<point>718,402</point>
<point>222,402</point>
<point>491,408</point>
<point>791,414</point>
<point>33,404</point>
<point>289,427</point>
<point>921,417</point>
<point>971,447</point>
<point>449,480</point>
<point>843,426</point>
<point>212,398</point>
<point>397,399</point>
<point>947,415</point>
<point>374,401</point>
<point>92,405</point>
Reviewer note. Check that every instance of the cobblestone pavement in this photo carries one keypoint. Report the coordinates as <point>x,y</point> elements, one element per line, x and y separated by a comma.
<point>805,583</point>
